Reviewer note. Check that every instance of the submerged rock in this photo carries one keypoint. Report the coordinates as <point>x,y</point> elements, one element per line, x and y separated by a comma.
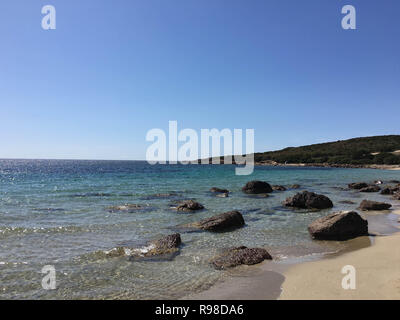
<point>278,188</point>
<point>294,186</point>
<point>308,200</point>
<point>218,190</point>
<point>160,196</point>
<point>165,245</point>
<point>256,187</point>
<point>358,185</point>
<point>224,221</point>
<point>342,225</point>
<point>128,207</point>
<point>241,255</point>
<point>189,205</point>
<point>347,202</point>
<point>367,205</point>
<point>222,195</point>
<point>370,189</point>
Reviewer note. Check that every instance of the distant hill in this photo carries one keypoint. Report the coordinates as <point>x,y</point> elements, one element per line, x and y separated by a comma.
<point>357,151</point>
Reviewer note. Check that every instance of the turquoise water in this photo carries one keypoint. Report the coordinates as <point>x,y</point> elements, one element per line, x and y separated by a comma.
<point>53,212</point>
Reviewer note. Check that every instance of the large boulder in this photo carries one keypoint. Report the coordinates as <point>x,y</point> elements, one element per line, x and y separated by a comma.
<point>241,255</point>
<point>367,205</point>
<point>224,221</point>
<point>166,245</point>
<point>256,187</point>
<point>308,200</point>
<point>189,205</point>
<point>342,225</point>
<point>358,185</point>
<point>370,189</point>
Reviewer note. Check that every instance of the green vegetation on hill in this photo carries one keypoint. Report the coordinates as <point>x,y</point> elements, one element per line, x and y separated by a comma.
<point>357,151</point>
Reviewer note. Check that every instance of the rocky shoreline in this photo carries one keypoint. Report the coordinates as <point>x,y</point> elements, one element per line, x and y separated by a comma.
<point>329,165</point>
<point>337,226</point>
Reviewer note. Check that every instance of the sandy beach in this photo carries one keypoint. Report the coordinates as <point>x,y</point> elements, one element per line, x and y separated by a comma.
<point>375,259</point>
<point>377,274</point>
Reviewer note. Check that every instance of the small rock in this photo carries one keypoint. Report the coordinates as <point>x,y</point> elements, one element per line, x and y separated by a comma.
<point>387,191</point>
<point>189,205</point>
<point>367,205</point>
<point>347,202</point>
<point>223,195</point>
<point>221,222</point>
<point>339,226</point>
<point>294,186</point>
<point>166,245</point>
<point>358,185</point>
<point>370,189</point>
<point>129,207</point>
<point>256,187</point>
<point>278,188</point>
<point>241,255</point>
<point>309,200</point>
<point>218,190</point>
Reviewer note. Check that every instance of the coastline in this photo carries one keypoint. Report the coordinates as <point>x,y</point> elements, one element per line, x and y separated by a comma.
<point>327,165</point>
<point>374,258</point>
<point>377,274</point>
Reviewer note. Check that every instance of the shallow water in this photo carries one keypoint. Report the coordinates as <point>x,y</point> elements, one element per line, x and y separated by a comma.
<point>54,212</point>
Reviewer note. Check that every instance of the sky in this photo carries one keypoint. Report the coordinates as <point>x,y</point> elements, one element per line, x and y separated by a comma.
<point>113,70</point>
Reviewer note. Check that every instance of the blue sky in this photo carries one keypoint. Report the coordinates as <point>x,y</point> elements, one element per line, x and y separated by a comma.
<point>112,70</point>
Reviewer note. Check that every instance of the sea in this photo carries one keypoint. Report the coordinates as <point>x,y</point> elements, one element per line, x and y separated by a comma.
<point>56,213</point>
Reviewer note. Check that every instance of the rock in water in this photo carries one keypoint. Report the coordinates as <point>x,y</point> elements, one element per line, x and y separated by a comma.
<point>370,189</point>
<point>240,255</point>
<point>358,185</point>
<point>256,187</point>
<point>309,200</point>
<point>129,207</point>
<point>367,205</point>
<point>294,186</point>
<point>387,191</point>
<point>189,205</point>
<point>221,222</point>
<point>222,195</point>
<point>165,245</point>
<point>218,190</point>
<point>342,225</point>
<point>278,188</point>
<point>347,202</point>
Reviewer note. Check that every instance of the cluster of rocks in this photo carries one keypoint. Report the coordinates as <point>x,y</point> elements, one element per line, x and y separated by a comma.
<point>385,190</point>
<point>339,226</point>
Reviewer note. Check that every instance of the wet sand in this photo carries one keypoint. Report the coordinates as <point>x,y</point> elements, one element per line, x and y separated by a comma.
<point>376,259</point>
<point>377,274</point>
<point>264,281</point>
